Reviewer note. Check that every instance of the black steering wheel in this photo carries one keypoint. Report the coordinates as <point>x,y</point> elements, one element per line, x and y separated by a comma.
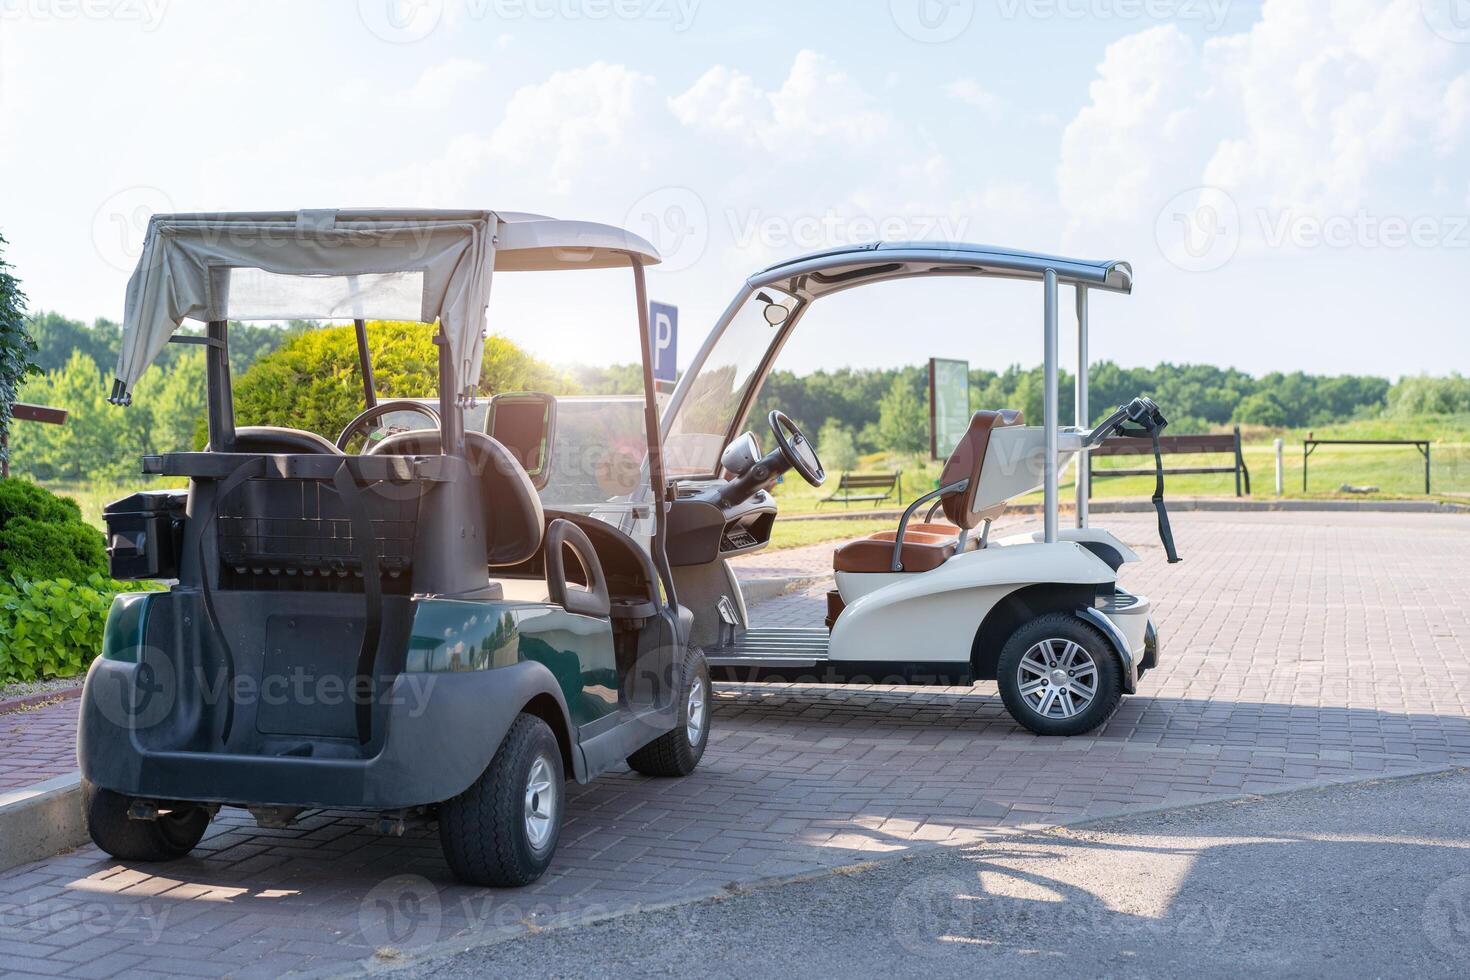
<point>383,408</point>
<point>796,448</point>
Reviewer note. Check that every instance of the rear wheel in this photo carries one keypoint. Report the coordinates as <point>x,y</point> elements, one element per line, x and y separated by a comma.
<point>502,831</point>
<point>1059,675</point>
<point>169,836</point>
<point>677,752</point>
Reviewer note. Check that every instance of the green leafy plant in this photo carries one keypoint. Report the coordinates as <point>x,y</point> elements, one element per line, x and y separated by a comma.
<point>51,628</point>
<point>43,536</point>
<point>17,349</point>
<point>313,381</point>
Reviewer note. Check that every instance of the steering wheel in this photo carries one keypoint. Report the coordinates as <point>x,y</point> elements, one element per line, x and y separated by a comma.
<point>383,408</point>
<point>796,448</point>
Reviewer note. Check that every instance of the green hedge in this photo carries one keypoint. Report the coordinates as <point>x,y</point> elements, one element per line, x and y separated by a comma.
<point>43,536</point>
<point>51,628</point>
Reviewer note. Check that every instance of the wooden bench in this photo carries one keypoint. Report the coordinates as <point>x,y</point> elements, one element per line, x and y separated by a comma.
<point>859,487</point>
<point>1172,445</point>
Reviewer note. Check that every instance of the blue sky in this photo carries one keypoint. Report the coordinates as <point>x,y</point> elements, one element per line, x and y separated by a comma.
<point>1291,180</point>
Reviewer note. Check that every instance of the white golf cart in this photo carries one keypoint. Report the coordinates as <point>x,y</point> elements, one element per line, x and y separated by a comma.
<point>930,602</point>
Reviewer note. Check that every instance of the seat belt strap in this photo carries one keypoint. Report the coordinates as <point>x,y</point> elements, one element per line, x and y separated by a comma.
<point>1166,534</point>
<point>364,680</point>
<point>247,470</point>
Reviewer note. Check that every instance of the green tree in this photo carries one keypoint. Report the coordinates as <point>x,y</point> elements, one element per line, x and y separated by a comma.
<point>836,447</point>
<point>313,381</point>
<point>902,424</point>
<point>1262,408</point>
<point>17,349</point>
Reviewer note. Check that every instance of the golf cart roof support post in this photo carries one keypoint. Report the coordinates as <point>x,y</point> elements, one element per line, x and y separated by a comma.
<point>654,434</point>
<point>451,421</point>
<point>1083,468</point>
<point>220,399</point>
<point>365,362</point>
<point>1049,411</point>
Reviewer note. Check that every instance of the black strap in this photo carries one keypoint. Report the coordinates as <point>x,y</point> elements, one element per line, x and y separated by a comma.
<point>247,470</point>
<point>1166,534</point>
<point>366,546</point>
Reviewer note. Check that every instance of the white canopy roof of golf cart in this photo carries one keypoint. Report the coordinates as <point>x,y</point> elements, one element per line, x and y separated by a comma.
<point>424,265</point>
<point>830,270</point>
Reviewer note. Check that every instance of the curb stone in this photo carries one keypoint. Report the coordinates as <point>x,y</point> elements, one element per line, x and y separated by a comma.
<point>41,820</point>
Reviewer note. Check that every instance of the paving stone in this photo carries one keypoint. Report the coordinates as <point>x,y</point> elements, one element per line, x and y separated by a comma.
<point>1295,649</point>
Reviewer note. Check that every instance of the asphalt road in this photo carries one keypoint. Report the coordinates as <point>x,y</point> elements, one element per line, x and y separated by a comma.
<point>1371,879</point>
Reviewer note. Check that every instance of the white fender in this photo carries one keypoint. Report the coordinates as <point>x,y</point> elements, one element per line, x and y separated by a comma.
<point>1095,534</point>
<point>933,616</point>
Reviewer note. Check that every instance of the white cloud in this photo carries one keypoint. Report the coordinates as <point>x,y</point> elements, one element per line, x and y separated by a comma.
<point>818,105</point>
<point>1321,107</point>
<point>972,93</point>
<point>440,83</point>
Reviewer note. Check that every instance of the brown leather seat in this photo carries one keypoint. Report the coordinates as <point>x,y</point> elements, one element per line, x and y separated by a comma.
<point>926,546</point>
<point>921,553</point>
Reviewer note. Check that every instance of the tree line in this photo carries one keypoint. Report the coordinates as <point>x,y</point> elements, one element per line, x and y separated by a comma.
<point>307,378</point>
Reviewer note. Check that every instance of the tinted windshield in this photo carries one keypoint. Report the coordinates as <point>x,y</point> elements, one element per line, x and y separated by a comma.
<point>701,426</point>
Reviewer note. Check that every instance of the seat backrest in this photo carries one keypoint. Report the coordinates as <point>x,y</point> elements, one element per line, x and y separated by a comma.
<point>514,523</point>
<point>966,462</point>
<point>278,439</point>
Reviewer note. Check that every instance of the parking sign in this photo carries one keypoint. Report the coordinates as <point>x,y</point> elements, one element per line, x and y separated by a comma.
<point>663,325</point>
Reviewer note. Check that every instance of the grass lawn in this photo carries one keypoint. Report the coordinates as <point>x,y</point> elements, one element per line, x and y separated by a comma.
<point>1397,471</point>
<point>794,534</point>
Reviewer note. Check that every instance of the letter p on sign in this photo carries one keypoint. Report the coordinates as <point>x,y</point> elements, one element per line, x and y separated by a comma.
<point>663,323</point>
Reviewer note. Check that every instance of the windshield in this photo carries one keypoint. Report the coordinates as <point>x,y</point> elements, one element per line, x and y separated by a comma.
<point>702,423</point>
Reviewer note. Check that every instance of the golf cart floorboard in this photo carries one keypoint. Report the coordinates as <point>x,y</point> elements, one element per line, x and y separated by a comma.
<point>796,654</point>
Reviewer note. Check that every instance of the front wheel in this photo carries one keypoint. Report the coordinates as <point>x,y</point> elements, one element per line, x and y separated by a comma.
<point>170,835</point>
<point>1059,675</point>
<point>677,752</point>
<point>502,831</point>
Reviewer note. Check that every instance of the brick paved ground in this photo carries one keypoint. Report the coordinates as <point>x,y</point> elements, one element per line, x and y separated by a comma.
<point>37,743</point>
<point>1296,648</point>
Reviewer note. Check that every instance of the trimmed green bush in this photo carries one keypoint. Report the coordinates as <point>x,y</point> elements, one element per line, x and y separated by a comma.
<point>43,536</point>
<point>51,629</point>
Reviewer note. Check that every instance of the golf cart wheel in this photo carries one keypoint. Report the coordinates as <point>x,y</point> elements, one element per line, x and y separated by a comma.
<point>502,831</point>
<point>677,752</point>
<point>1058,675</point>
<point>172,835</point>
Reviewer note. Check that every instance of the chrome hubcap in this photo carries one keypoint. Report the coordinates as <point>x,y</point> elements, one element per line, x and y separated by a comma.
<point>540,802</point>
<point>694,711</point>
<point>1057,678</point>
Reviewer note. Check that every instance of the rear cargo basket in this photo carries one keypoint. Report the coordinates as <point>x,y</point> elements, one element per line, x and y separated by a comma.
<point>274,527</point>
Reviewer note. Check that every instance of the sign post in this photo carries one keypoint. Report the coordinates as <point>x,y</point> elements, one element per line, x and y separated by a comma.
<point>949,405</point>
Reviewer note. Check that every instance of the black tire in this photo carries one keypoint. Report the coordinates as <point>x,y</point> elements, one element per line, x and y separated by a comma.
<point>167,838</point>
<point>486,830</point>
<point>676,753</point>
<point>1060,629</point>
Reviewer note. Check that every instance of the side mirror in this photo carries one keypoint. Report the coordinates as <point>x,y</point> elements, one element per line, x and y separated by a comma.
<point>741,454</point>
<point>776,314</point>
<point>524,422</point>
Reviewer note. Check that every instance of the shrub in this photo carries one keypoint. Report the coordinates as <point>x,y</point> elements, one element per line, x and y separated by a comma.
<point>43,536</point>
<point>51,629</point>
